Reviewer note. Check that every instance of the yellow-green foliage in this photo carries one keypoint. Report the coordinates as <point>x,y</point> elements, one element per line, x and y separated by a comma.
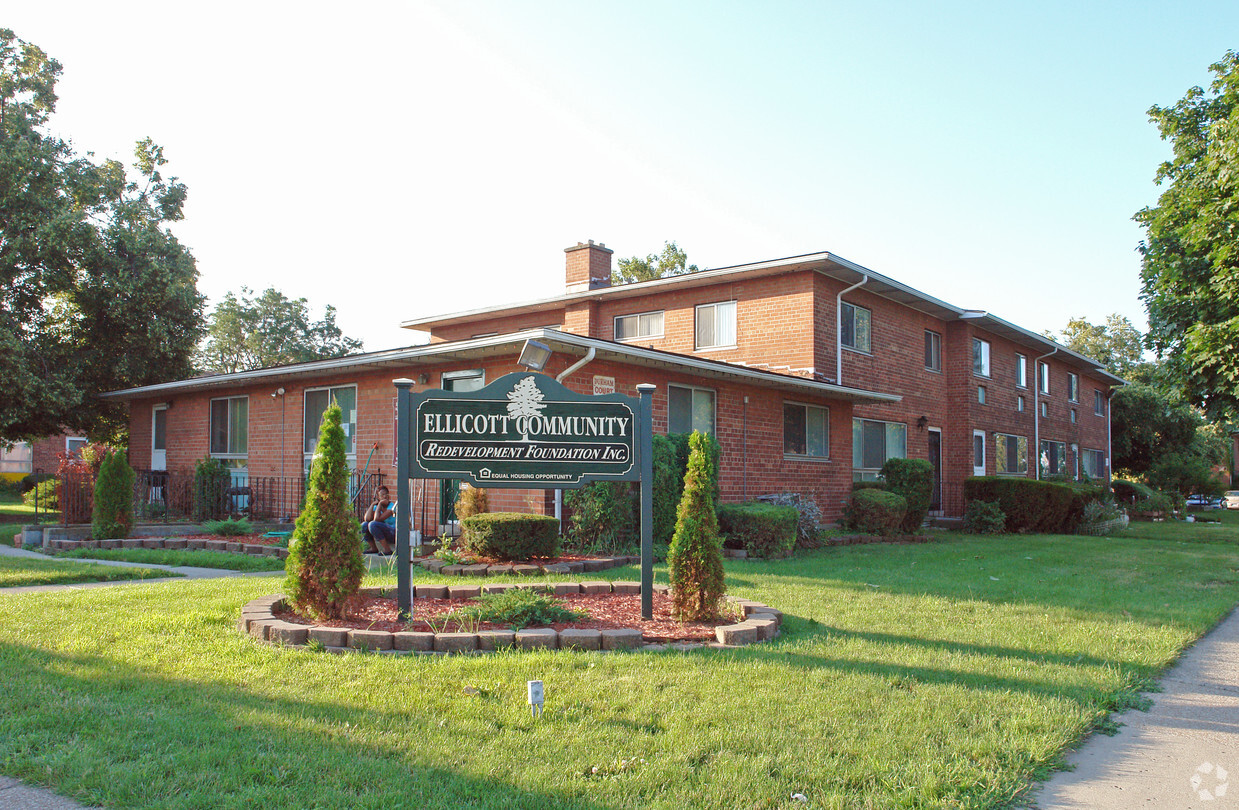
<point>471,501</point>
<point>696,554</point>
<point>324,560</point>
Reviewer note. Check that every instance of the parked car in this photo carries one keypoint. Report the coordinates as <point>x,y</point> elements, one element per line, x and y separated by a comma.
<point>1206,502</point>
<point>1230,499</point>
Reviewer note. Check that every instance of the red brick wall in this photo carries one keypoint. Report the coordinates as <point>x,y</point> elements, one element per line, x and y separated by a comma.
<point>504,325</point>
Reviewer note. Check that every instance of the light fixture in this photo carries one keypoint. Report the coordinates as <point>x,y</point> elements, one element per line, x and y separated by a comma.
<point>423,378</point>
<point>279,392</point>
<point>534,355</point>
<point>922,422</point>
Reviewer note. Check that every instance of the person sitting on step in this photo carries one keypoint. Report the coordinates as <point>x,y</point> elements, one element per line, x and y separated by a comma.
<point>378,526</point>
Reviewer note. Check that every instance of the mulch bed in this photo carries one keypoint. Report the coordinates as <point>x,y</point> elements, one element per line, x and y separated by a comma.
<point>606,612</point>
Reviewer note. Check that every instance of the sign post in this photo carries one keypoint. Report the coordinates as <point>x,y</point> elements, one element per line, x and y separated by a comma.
<point>526,431</point>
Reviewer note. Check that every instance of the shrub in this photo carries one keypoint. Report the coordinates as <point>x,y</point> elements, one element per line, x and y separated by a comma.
<point>29,482</point>
<point>519,607</point>
<point>44,495</point>
<point>859,485</point>
<point>232,527</point>
<point>470,501</point>
<point>211,482</point>
<point>1096,515</point>
<point>1034,506</point>
<point>809,517</point>
<point>761,529</point>
<point>511,535</point>
<point>913,478</point>
<point>1130,491</point>
<point>604,517</point>
<point>112,514</point>
<point>874,511</point>
<point>681,443</point>
<point>984,517</point>
<point>324,558</point>
<point>695,558</point>
<point>1154,502</point>
<point>668,487</point>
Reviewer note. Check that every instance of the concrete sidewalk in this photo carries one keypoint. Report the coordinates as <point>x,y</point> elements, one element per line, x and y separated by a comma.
<point>1180,754</point>
<point>185,571</point>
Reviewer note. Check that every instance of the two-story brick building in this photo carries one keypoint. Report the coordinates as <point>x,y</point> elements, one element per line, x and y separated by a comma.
<point>810,370</point>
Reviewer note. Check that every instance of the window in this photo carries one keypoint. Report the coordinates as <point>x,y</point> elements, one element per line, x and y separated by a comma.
<point>1043,377</point>
<point>316,404</point>
<point>1019,403</point>
<point>1073,387</point>
<point>230,428</point>
<point>1053,458</point>
<point>17,459</point>
<point>873,442</point>
<point>980,357</point>
<point>806,430</point>
<point>468,380</point>
<point>1021,371</point>
<point>981,394</point>
<point>933,351</point>
<point>1010,454</point>
<point>1093,463</point>
<point>1045,409</point>
<point>978,452</point>
<point>74,445</point>
<point>1099,404</point>
<point>645,325</point>
<point>716,325</point>
<point>689,409</point>
<point>854,327</point>
<point>1073,416</point>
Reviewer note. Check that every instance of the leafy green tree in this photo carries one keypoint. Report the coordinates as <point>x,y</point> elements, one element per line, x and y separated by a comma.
<point>1190,254</point>
<point>671,262</point>
<point>324,559</point>
<point>695,558</point>
<point>1116,344</point>
<point>1147,423</point>
<point>95,292</point>
<point>246,332</point>
<point>112,513</point>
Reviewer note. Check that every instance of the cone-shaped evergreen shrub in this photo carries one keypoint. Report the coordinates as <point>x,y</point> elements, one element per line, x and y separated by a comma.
<point>112,516</point>
<point>324,559</point>
<point>696,554</point>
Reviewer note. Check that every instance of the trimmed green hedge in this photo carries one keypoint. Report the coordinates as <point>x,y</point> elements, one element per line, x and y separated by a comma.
<point>913,478</point>
<point>1042,507</point>
<point>874,511</point>
<point>511,535</point>
<point>1131,491</point>
<point>761,529</point>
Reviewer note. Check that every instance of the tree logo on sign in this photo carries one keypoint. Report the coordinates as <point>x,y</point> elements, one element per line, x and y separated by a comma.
<point>525,400</point>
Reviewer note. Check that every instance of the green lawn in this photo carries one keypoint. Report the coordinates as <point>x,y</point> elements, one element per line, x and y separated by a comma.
<point>198,558</point>
<point>12,510</point>
<point>949,674</point>
<point>20,571</point>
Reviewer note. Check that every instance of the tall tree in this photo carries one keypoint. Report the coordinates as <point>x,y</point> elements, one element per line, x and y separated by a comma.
<point>245,332</point>
<point>1190,272</point>
<point>671,262</point>
<point>1116,344</point>
<point>95,292</point>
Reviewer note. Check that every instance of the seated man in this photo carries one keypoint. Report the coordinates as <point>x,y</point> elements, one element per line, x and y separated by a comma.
<point>379,524</point>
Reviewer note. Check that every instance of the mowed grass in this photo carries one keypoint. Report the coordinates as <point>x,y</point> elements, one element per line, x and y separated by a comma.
<point>198,558</point>
<point>13,510</point>
<point>949,674</point>
<point>23,571</point>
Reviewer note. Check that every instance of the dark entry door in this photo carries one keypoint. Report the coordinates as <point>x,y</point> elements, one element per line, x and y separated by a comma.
<point>935,459</point>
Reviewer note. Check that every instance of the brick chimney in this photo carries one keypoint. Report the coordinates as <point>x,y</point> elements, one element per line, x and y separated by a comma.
<point>589,266</point>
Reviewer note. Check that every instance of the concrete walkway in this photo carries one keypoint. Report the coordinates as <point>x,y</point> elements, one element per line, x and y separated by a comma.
<point>1182,753</point>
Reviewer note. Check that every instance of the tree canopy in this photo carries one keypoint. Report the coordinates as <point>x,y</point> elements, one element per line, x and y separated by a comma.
<point>245,332</point>
<point>1116,344</point>
<point>1190,254</point>
<point>96,293</point>
<point>671,262</point>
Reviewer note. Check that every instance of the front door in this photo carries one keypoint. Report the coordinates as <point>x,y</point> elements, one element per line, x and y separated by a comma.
<point>159,438</point>
<point>978,452</point>
<point>935,459</point>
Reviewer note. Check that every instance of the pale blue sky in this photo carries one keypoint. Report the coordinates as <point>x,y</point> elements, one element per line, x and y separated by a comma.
<point>408,159</point>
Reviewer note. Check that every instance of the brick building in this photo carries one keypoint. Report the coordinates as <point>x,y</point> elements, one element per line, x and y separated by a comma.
<point>22,458</point>
<point>810,370</point>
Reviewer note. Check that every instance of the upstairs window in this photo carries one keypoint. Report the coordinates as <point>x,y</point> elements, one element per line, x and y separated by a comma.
<point>1019,403</point>
<point>230,427</point>
<point>716,325</point>
<point>689,408</point>
<point>1073,387</point>
<point>806,430</point>
<point>1021,371</point>
<point>1099,403</point>
<point>854,327</point>
<point>933,351</point>
<point>644,325</point>
<point>980,357</point>
<point>1043,377</point>
<point>316,404</point>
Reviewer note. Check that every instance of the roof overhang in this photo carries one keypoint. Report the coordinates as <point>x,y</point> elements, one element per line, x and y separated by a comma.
<point>480,349</point>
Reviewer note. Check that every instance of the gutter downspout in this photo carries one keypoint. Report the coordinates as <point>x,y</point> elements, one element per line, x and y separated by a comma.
<point>1037,406</point>
<point>864,279</point>
<point>1109,443</point>
<point>589,355</point>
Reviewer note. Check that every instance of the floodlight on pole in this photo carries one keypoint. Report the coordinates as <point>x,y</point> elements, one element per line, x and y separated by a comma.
<point>534,355</point>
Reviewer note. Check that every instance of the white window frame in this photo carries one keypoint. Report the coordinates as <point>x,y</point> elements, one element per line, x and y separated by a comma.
<point>18,463</point>
<point>1045,409</point>
<point>981,363</point>
<point>862,473</point>
<point>694,390</point>
<point>226,455</point>
<point>934,347</point>
<point>735,325</point>
<point>980,394</point>
<point>868,331</point>
<point>1021,371</point>
<point>826,421</point>
<point>462,374</point>
<point>1062,456</point>
<point>70,441</point>
<point>640,318</point>
<point>1073,387</point>
<point>350,431</point>
<point>1000,453</point>
<point>1043,377</point>
<point>1019,403</point>
<point>1099,403</point>
<point>978,469</point>
<point>1100,457</point>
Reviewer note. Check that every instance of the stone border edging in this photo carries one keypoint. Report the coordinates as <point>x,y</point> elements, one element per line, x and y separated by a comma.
<point>258,620</point>
<point>437,566</point>
<point>176,543</point>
